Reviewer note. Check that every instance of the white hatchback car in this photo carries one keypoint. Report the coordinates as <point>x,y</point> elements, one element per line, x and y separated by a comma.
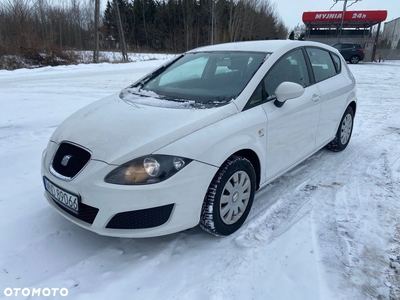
<point>191,142</point>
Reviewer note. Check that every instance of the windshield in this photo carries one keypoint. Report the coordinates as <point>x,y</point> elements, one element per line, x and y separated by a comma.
<point>205,79</point>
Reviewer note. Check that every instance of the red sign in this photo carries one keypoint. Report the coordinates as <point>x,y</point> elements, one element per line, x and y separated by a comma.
<point>349,16</point>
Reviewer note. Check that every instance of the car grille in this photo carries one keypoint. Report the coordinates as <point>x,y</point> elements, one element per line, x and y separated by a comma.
<point>86,213</point>
<point>140,219</point>
<point>69,160</point>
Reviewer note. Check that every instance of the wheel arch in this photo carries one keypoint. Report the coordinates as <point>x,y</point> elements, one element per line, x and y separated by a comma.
<point>254,160</point>
<point>353,105</point>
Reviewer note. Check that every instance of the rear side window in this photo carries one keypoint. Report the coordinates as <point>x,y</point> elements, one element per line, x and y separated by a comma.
<point>322,63</point>
<point>347,46</point>
<point>337,62</point>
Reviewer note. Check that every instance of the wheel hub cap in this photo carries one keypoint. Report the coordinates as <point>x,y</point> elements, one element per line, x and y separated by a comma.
<point>347,125</point>
<point>235,197</point>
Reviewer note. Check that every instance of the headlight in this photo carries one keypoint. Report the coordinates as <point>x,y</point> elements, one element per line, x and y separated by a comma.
<point>147,169</point>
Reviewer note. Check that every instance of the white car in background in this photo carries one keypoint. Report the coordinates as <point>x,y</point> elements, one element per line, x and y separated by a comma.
<point>194,140</point>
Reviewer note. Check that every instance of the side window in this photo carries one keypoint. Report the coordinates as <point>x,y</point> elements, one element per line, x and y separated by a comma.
<point>322,63</point>
<point>337,62</point>
<point>291,67</point>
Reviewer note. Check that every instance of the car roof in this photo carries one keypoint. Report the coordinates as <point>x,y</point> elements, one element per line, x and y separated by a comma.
<point>348,43</point>
<point>267,46</point>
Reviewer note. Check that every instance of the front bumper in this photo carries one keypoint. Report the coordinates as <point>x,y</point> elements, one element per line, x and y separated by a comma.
<point>133,211</point>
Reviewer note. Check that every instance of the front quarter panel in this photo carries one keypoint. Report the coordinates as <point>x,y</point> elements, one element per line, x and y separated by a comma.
<point>216,142</point>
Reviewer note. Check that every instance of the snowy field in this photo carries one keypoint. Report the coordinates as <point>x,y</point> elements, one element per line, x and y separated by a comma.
<point>329,229</point>
<point>112,56</point>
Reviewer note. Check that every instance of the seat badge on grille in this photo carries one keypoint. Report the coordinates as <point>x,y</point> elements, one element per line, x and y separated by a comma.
<point>65,160</point>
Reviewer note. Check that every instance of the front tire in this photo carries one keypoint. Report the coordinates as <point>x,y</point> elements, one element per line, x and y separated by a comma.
<point>344,132</point>
<point>229,197</point>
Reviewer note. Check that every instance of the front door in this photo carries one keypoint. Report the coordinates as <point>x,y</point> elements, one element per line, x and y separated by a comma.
<point>292,128</point>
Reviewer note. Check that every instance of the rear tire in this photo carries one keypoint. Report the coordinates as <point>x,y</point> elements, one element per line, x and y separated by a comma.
<point>344,132</point>
<point>229,197</point>
<point>354,59</point>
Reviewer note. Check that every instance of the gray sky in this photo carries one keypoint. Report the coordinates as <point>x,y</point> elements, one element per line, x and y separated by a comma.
<point>291,11</point>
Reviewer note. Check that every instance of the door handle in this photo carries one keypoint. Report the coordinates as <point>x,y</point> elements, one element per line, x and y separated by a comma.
<point>315,98</point>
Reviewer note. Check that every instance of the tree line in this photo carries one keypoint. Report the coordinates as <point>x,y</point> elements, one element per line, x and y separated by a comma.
<point>44,24</point>
<point>158,25</point>
<point>180,25</point>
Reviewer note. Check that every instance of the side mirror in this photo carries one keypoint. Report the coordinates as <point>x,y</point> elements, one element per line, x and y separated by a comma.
<point>286,91</point>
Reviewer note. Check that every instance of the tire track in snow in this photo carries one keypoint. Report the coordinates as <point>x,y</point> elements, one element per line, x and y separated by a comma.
<point>277,216</point>
<point>287,200</point>
<point>392,183</point>
<point>359,198</point>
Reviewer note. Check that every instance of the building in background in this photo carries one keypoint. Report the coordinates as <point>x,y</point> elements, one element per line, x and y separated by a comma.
<point>331,27</point>
<point>391,35</point>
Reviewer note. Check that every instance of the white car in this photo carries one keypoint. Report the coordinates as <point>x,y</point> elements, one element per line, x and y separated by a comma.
<point>191,143</point>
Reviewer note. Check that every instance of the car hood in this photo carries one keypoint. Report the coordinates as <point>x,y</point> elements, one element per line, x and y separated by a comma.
<point>116,131</point>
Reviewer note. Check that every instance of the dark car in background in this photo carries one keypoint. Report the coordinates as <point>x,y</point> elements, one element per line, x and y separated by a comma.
<point>353,53</point>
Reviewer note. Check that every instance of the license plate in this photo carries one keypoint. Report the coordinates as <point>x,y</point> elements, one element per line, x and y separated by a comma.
<point>63,197</point>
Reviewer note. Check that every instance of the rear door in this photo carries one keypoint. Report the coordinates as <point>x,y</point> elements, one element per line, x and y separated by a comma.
<point>347,51</point>
<point>333,88</point>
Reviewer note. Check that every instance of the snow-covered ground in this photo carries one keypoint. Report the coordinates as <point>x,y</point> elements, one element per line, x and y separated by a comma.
<point>329,229</point>
<point>12,62</point>
<point>114,56</point>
